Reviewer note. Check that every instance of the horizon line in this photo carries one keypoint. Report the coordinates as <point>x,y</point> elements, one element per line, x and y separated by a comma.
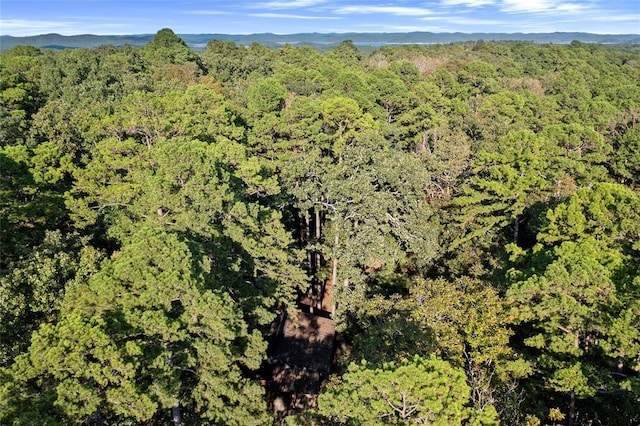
<point>323,33</point>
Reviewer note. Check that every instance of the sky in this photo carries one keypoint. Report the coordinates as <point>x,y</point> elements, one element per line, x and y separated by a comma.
<point>70,17</point>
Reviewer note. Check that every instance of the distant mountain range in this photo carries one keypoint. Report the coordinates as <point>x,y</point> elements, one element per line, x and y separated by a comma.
<point>199,41</point>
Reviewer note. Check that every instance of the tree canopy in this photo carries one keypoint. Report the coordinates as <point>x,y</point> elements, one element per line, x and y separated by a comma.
<point>468,214</point>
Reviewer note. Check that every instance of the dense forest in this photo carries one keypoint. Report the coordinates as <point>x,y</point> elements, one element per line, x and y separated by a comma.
<point>473,207</point>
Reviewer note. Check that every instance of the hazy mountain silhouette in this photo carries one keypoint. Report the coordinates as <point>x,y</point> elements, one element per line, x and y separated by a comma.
<point>57,41</point>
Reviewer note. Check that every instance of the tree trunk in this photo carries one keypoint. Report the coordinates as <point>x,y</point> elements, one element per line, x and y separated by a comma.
<point>99,418</point>
<point>334,272</point>
<point>177,414</point>
<point>572,409</point>
<point>318,261</point>
<point>305,230</point>
<point>318,255</point>
<point>305,236</point>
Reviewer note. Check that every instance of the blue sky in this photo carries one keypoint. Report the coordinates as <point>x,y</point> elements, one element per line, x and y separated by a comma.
<point>31,17</point>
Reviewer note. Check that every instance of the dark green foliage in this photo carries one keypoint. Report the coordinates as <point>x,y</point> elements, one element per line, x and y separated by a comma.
<point>576,297</point>
<point>32,292</point>
<point>29,205</point>
<point>472,210</point>
<point>227,62</point>
<point>167,46</point>
<point>144,334</point>
<point>626,163</point>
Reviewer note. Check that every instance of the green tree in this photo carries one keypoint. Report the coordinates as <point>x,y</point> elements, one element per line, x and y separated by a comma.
<point>32,288</point>
<point>350,83</point>
<point>505,183</point>
<point>582,153</point>
<point>478,77</point>
<point>390,93</point>
<point>626,158</point>
<point>266,96</point>
<point>607,212</point>
<point>418,390</point>
<point>505,112</point>
<point>167,46</point>
<point>173,64</point>
<point>375,217</point>
<point>210,191</point>
<point>197,112</point>
<point>20,95</point>
<point>574,296</point>
<point>143,337</point>
<point>347,52</point>
<point>571,304</point>
<point>228,62</point>
<point>468,324</point>
<point>342,118</point>
<point>29,205</point>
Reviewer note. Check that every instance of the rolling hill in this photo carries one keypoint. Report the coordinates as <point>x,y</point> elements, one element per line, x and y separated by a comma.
<point>198,41</point>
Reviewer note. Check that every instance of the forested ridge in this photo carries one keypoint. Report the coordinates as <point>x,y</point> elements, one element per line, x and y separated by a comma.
<point>474,208</point>
<point>320,41</point>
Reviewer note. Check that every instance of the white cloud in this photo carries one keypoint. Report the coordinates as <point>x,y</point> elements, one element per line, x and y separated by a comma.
<point>571,7</point>
<point>459,20</point>
<point>376,28</point>
<point>541,6</point>
<point>20,27</point>
<point>393,10</point>
<point>25,28</point>
<point>468,3</point>
<point>288,16</point>
<point>295,4</point>
<point>618,18</point>
<point>522,6</point>
<point>205,12</point>
<point>527,6</point>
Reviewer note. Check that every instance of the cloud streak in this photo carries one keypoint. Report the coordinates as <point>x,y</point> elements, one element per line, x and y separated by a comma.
<point>24,25</point>
<point>289,16</point>
<point>462,21</point>
<point>619,18</point>
<point>467,3</point>
<point>392,10</point>
<point>295,4</point>
<point>206,12</point>
<point>541,6</point>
